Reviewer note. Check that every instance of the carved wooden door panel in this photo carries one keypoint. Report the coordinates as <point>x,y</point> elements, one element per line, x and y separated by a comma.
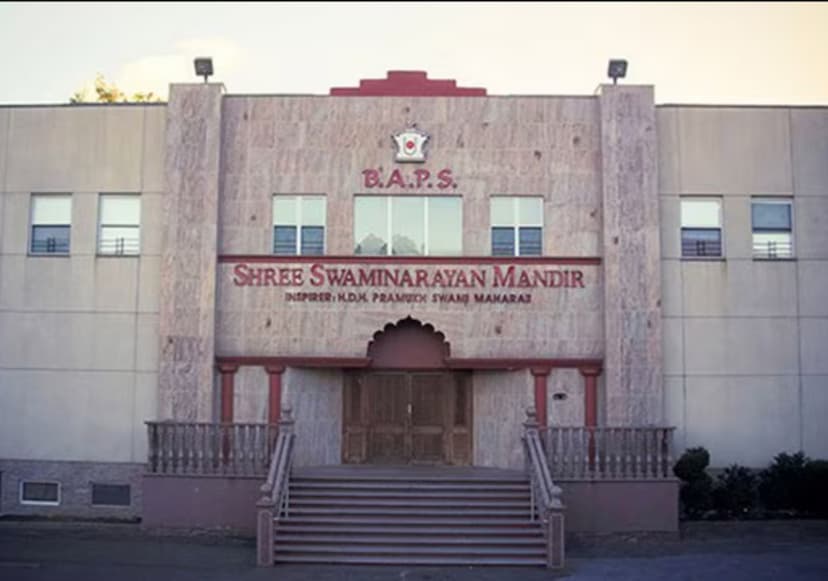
<point>429,417</point>
<point>401,418</point>
<point>387,398</point>
<point>354,430</point>
<point>460,423</point>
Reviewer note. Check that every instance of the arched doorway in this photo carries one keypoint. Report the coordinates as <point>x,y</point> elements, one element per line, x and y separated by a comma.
<point>408,407</point>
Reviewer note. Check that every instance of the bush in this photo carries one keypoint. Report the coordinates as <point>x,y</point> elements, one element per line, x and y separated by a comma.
<point>692,464</point>
<point>781,485</point>
<point>696,492</point>
<point>734,494</point>
<point>815,488</point>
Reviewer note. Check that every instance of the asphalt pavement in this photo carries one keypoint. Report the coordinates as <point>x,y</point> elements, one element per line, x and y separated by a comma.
<point>769,550</point>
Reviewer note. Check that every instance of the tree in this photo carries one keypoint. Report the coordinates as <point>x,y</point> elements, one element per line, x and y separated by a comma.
<point>109,93</point>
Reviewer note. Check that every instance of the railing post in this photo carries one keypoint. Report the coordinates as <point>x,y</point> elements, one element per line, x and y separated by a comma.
<point>264,533</point>
<point>555,539</point>
<point>286,421</point>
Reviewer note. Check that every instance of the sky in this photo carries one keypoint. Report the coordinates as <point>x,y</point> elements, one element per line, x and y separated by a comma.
<point>718,53</point>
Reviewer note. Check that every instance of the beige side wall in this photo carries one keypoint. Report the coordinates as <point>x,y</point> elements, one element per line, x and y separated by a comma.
<point>744,339</point>
<point>78,334</point>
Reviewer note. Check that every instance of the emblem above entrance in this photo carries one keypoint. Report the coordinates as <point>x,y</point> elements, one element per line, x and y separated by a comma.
<point>410,145</point>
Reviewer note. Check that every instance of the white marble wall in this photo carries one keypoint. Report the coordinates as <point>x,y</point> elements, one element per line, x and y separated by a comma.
<point>315,395</point>
<point>188,267</point>
<point>500,401</point>
<point>632,279</point>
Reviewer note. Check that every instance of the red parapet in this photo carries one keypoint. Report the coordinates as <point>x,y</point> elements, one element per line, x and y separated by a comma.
<point>407,84</point>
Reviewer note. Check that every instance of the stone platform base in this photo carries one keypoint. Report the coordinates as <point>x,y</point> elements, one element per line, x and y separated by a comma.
<point>615,506</point>
<point>201,502</point>
<point>75,480</point>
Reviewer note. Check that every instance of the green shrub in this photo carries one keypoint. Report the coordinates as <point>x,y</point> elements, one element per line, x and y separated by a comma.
<point>692,464</point>
<point>815,488</point>
<point>696,496</point>
<point>696,492</point>
<point>781,485</point>
<point>734,493</point>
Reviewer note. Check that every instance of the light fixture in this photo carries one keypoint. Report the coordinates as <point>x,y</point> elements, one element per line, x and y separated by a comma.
<point>617,70</point>
<point>204,67</point>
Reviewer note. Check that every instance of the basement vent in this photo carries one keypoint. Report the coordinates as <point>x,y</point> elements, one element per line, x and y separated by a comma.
<point>110,494</point>
<point>32,492</point>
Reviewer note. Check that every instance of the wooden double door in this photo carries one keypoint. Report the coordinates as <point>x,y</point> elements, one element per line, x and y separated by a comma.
<point>407,418</point>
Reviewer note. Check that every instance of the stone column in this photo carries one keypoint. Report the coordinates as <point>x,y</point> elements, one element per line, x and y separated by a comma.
<point>541,407</point>
<point>631,257</point>
<point>188,255</point>
<point>275,396</point>
<point>228,373</point>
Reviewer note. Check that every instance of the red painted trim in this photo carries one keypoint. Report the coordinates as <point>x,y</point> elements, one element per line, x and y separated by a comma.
<point>321,362</point>
<point>591,395</point>
<point>541,397</point>
<point>274,408</point>
<point>491,364</point>
<point>407,84</point>
<point>228,373</point>
<point>514,363</point>
<point>292,259</point>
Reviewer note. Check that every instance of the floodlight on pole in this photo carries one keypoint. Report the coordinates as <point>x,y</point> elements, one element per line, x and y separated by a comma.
<point>204,67</point>
<point>617,70</point>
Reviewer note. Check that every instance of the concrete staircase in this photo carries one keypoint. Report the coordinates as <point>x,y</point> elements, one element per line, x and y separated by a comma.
<point>411,516</point>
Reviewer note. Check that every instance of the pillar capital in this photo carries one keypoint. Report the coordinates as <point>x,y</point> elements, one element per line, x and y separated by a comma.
<point>277,369</point>
<point>540,371</point>
<point>590,371</point>
<point>227,367</point>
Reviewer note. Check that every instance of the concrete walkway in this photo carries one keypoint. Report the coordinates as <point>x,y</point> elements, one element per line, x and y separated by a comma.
<point>705,551</point>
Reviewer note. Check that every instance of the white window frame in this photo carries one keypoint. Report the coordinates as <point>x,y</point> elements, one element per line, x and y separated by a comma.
<point>516,224</point>
<point>40,502</point>
<point>772,200</point>
<point>41,195</point>
<point>298,200</point>
<point>101,225</point>
<point>389,246</point>
<point>720,201</point>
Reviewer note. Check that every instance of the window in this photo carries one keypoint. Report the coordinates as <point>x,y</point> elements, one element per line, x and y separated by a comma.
<point>408,225</point>
<point>517,226</point>
<point>119,224</point>
<point>110,494</point>
<point>298,224</point>
<point>51,223</point>
<point>772,228</point>
<point>701,228</point>
<point>39,492</point>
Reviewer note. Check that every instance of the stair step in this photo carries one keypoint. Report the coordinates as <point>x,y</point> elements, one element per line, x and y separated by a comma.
<point>410,493</point>
<point>373,550</point>
<point>287,527</point>
<point>409,560</point>
<point>408,502</point>
<point>412,479</point>
<point>448,511</point>
<point>336,519</point>
<point>409,485</point>
<point>405,540</point>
